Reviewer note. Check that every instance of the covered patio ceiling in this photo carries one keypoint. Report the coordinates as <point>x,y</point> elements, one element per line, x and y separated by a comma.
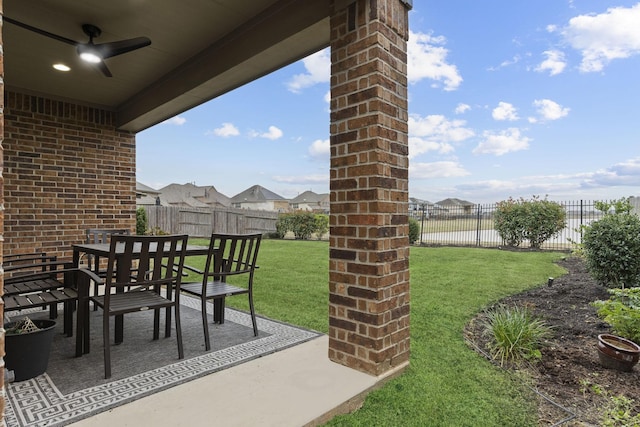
<point>200,49</point>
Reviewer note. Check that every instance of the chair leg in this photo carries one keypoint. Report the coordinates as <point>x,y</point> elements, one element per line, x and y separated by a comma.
<point>205,325</point>
<point>53,311</point>
<point>95,293</point>
<point>179,332</point>
<point>156,324</point>
<point>68,318</point>
<point>167,322</point>
<point>253,315</point>
<point>107,346</point>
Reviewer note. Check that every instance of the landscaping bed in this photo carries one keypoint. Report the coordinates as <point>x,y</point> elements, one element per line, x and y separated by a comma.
<point>569,373</point>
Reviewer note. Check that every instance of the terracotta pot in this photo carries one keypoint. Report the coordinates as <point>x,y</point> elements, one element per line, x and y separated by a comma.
<point>617,352</point>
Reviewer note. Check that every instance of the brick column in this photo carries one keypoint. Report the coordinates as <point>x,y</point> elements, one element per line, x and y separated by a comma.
<point>2,390</point>
<point>369,243</point>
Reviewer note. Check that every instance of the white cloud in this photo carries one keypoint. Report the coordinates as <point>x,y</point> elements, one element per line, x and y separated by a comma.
<point>462,108</point>
<point>273,133</point>
<point>177,120</point>
<point>302,179</point>
<point>320,149</point>
<point>427,59</point>
<point>436,170</point>
<point>226,130</point>
<point>435,133</point>
<point>550,110</point>
<point>555,62</point>
<point>318,70</point>
<point>506,63</point>
<point>602,38</point>
<point>624,174</point>
<point>505,111</point>
<point>502,142</point>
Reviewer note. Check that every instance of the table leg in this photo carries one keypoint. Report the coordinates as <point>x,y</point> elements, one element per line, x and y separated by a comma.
<point>218,310</point>
<point>82,314</point>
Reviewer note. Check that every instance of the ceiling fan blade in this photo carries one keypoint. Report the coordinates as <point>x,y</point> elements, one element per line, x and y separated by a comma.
<point>103,68</point>
<point>111,49</point>
<point>39,31</point>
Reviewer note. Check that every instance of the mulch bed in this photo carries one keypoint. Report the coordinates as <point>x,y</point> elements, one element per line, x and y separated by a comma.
<point>570,374</point>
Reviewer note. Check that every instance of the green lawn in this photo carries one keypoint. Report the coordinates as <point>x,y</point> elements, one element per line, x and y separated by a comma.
<point>447,384</point>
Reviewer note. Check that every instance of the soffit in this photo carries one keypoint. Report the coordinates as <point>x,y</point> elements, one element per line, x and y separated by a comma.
<point>199,49</point>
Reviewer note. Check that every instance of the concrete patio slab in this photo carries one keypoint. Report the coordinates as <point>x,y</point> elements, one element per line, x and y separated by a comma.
<point>298,386</point>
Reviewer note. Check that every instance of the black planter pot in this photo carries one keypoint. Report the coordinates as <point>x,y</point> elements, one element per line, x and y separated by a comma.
<point>27,354</point>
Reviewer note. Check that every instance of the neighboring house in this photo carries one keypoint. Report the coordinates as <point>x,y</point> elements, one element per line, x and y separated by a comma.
<point>147,196</point>
<point>310,201</point>
<point>418,207</point>
<point>457,206</point>
<point>190,195</point>
<point>259,198</point>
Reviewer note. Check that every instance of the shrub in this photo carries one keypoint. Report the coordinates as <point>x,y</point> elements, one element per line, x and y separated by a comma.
<point>516,334</point>
<point>303,224</point>
<point>622,312</point>
<point>536,220</point>
<point>414,230</point>
<point>283,225</point>
<point>141,221</point>
<point>322,225</point>
<point>156,231</point>
<point>611,246</point>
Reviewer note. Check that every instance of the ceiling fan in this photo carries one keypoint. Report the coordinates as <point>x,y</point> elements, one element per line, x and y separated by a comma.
<point>90,52</point>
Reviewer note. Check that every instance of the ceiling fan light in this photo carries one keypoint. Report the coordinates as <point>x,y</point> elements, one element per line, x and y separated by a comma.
<point>89,55</point>
<point>61,67</point>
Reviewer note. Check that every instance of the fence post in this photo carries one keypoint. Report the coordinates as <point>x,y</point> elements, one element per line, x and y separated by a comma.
<point>478,225</point>
<point>422,223</point>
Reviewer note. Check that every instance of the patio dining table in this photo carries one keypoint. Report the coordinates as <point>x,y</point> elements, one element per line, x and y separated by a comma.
<point>103,250</point>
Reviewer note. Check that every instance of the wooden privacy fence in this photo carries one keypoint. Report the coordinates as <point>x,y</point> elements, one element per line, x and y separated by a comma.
<point>201,222</point>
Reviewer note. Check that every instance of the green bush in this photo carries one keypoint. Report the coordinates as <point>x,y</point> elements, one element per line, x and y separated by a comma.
<point>322,225</point>
<point>536,220</point>
<point>141,221</point>
<point>283,225</point>
<point>414,230</point>
<point>622,312</point>
<point>516,334</point>
<point>611,246</point>
<point>302,224</point>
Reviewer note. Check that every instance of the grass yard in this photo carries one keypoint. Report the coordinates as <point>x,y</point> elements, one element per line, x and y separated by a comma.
<point>447,384</point>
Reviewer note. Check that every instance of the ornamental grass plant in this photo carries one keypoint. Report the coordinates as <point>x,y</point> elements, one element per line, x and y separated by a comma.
<point>516,334</point>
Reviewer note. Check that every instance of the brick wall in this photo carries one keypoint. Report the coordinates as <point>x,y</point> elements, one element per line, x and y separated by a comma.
<point>66,168</point>
<point>369,244</point>
<point>2,389</point>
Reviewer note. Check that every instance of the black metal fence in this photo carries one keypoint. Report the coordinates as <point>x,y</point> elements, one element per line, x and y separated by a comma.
<point>472,225</point>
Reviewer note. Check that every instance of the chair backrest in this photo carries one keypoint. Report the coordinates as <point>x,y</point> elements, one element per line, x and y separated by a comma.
<point>145,261</point>
<point>231,254</point>
<point>100,235</point>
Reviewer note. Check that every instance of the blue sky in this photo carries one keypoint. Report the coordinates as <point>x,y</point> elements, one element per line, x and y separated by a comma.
<point>506,99</point>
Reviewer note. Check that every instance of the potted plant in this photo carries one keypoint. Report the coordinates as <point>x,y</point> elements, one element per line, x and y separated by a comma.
<point>27,347</point>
